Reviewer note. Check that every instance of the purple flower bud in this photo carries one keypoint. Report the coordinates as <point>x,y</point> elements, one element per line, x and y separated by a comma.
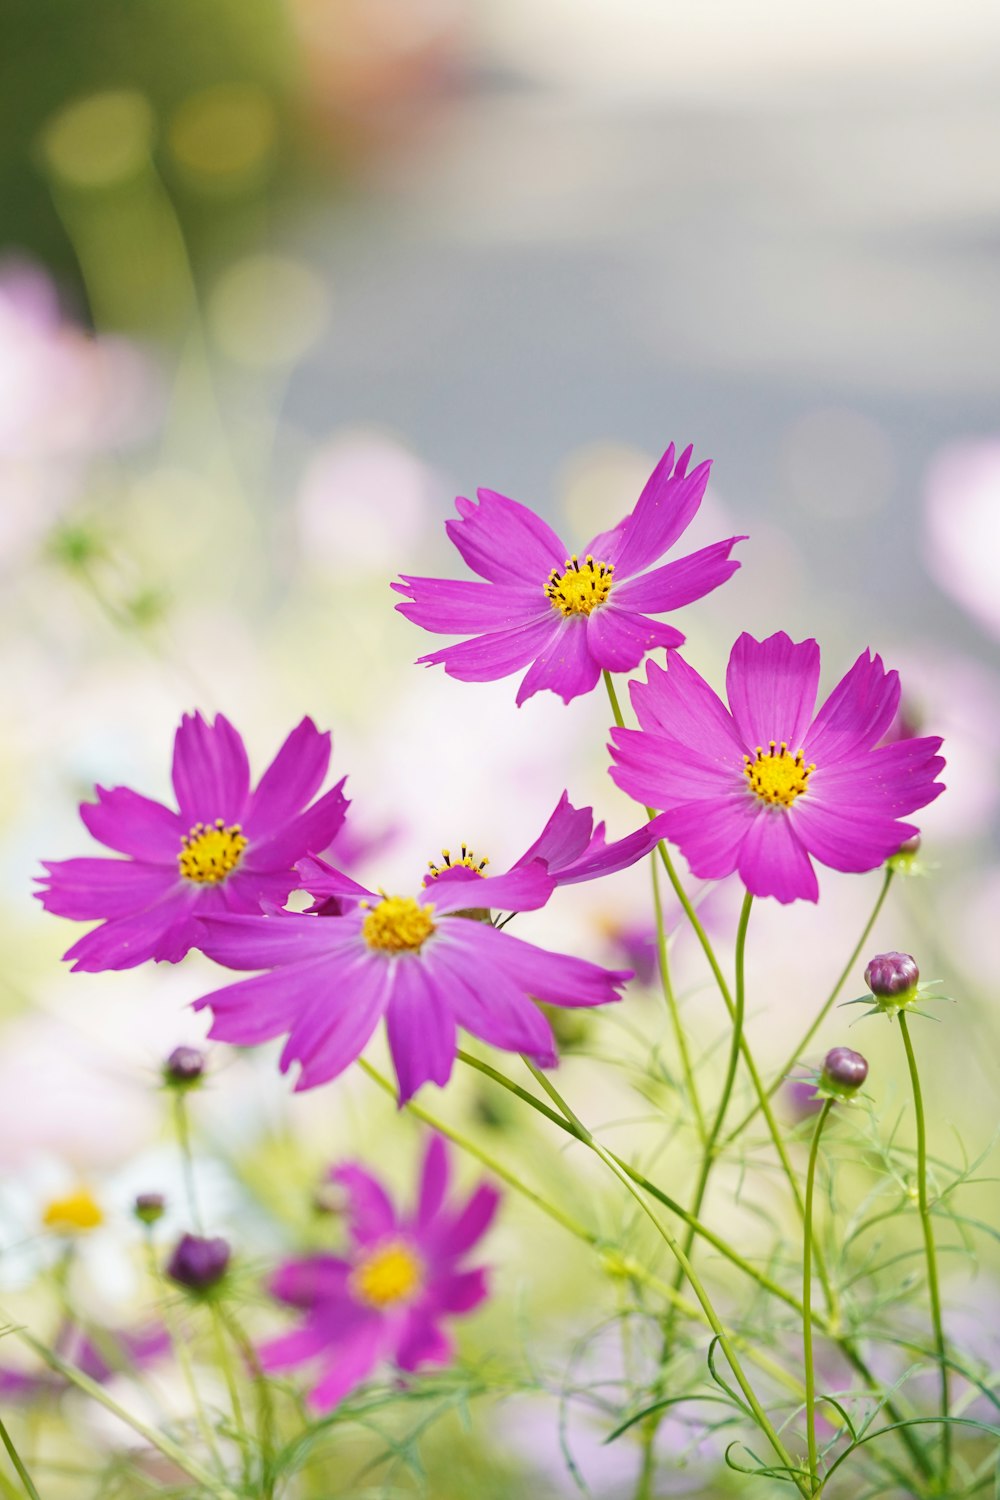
<point>891,975</point>
<point>198,1263</point>
<point>184,1067</point>
<point>149,1207</point>
<point>844,1071</point>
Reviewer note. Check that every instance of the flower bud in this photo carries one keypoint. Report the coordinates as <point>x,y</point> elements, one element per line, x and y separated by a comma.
<point>893,977</point>
<point>148,1207</point>
<point>844,1071</point>
<point>198,1263</point>
<point>184,1067</point>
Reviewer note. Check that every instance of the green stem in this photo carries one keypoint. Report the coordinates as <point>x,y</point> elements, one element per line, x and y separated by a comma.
<point>183,1128</point>
<point>226,1366</point>
<point>673,1010</point>
<point>182,1353</point>
<point>824,1011</point>
<point>265,1405</point>
<point>15,1459</point>
<point>759,1415</point>
<point>807,1331</point>
<point>929,1248</point>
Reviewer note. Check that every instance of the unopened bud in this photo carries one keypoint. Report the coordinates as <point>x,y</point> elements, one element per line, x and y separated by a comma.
<point>184,1067</point>
<point>892,976</point>
<point>149,1207</point>
<point>844,1071</point>
<point>198,1263</point>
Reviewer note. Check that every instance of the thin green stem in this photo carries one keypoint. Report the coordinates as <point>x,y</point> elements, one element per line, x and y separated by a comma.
<point>16,1460</point>
<point>824,1011</point>
<point>807,1330</point>
<point>725,1343</point>
<point>226,1366</point>
<point>183,1128</point>
<point>265,1404</point>
<point>930,1252</point>
<point>673,1011</point>
<point>182,1353</point>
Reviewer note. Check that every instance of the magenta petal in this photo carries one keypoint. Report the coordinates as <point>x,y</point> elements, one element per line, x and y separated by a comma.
<point>711,836</point>
<point>679,703</point>
<point>455,1234</point>
<point>357,1354</point>
<point>434,1176</point>
<point>422,1342</point>
<point>681,582</point>
<point>554,977</point>
<point>292,779</point>
<point>321,879</point>
<point>607,859</point>
<point>666,507</point>
<point>461,607</point>
<point>164,931</point>
<point>295,1348</point>
<point>523,888</point>
<point>843,840</point>
<point>491,1006</point>
<point>123,820</point>
<point>95,889</point>
<point>503,540</point>
<point>892,779</point>
<point>661,772</point>
<point>319,1278</point>
<point>618,639</point>
<point>489,657</point>
<point>463,1290</point>
<point>420,1027</point>
<point>259,942</point>
<point>773,861</point>
<point>372,1216</point>
<point>315,828</point>
<point>334,1028</point>
<point>564,837</point>
<point>259,1009</point>
<point>857,713</point>
<point>211,772</point>
<point>772,689</point>
<point>565,665</point>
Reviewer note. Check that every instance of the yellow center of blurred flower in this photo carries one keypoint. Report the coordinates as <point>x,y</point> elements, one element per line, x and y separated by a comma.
<point>777,777</point>
<point>467,861</point>
<point>209,854</point>
<point>397,924</point>
<point>581,588</point>
<point>74,1214</point>
<point>392,1273</point>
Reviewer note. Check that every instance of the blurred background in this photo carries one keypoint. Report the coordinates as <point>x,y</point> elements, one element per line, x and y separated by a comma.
<point>278,278</point>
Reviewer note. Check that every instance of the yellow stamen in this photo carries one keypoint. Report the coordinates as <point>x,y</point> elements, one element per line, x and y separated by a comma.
<point>397,924</point>
<point>467,861</point>
<point>777,777</point>
<point>581,588</point>
<point>209,854</point>
<point>74,1214</point>
<point>392,1273</point>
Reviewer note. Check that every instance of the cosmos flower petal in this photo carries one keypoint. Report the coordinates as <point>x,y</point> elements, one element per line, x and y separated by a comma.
<point>322,879</point>
<point>607,859</point>
<point>259,1009</point>
<point>211,773</point>
<point>772,689</point>
<point>291,1349</point>
<point>711,836</point>
<point>680,582</point>
<point>503,541</point>
<point>420,1027</point>
<point>462,607</point>
<point>300,1283</point>
<point>315,828</point>
<point>559,978</point>
<point>260,942</point>
<point>667,506</point>
<point>618,639</point>
<point>370,1211</point>
<point>897,778</point>
<point>565,836</point>
<point>774,862</point>
<point>94,889</point>
<point>334,1028</point>
<point>163,931</point>
<point>464,1290</point>
<point>493,1007</point>
<point>678,703</point>
<point>358,1352</point>
<point>434,1178</point>
<point>123,820</point>
<point>456,1233</point>
<point>489,657</point>
<point>857,713</point>
<point>423,1342</point>
<point>838,837</point>
<point>291,780</point>
<point>661,772</point>
<point>522,888</point>
<point>565,665</point>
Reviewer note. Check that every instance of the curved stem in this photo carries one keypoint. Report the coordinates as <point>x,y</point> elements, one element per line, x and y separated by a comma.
<point>845,973</point>
<point>807,1332</point>
<point>673,1011</point>
<point>930,1252</point>
<point>759,1415</point>
<point>15,1458</point>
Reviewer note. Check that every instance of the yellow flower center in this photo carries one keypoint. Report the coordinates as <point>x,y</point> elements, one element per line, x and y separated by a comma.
<point>398,924</point>
<point>467,861</point>
<point>777,777</point>
<point>581,588</point>
<point>74,1214</point>
<point>392,1273</point>
<point>209,854</point>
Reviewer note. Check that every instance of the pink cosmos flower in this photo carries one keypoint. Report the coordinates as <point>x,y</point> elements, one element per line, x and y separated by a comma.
<point>227,848</point>
<point>387,1297</point>
<point>415,960</point>
<point>568,618</point>
<point>760,787</point>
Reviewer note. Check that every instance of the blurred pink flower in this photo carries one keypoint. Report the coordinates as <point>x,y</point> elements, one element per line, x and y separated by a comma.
<point>962,527</point>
